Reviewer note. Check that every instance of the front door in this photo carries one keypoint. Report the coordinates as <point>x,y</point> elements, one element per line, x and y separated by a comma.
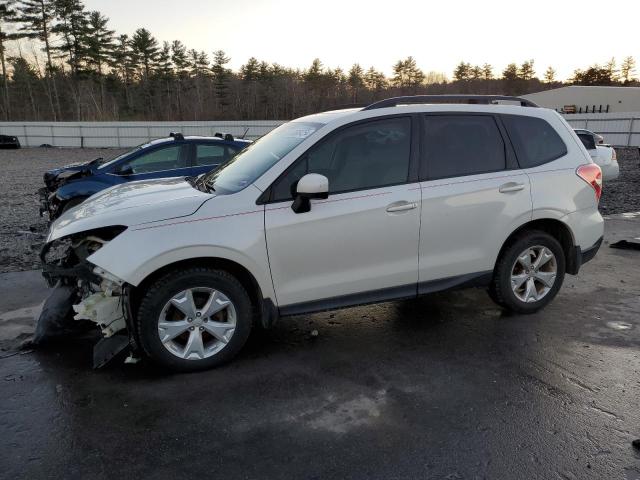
<point>171,160</point>
<point>360,244</point>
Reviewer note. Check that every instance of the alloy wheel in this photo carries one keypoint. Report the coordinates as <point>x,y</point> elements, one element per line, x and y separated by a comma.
<point>533,274</point>
<point>197,323</point>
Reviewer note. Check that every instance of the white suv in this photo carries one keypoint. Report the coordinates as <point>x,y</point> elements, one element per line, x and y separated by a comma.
<point>402,198</point>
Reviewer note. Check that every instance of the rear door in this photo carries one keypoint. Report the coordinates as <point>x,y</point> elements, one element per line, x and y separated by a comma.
<point>473,197</point>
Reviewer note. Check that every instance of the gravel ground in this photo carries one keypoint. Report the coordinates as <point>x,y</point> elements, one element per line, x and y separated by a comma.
<point>22,230</point>
<point>623,194</point>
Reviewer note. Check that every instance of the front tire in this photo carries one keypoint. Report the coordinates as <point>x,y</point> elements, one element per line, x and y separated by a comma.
<point>194,318</point>
<point>529,273</point>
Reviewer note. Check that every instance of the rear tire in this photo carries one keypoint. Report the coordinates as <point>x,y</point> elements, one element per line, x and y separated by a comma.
<point>519,283</point>
<point>204,341</point>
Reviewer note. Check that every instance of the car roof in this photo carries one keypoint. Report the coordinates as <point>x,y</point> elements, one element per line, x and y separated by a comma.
<point>329,117</point>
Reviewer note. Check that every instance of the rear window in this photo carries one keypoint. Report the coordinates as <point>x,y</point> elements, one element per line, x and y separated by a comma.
<point>587,140</point>
<point>535,141</point>
<point>460,145</point>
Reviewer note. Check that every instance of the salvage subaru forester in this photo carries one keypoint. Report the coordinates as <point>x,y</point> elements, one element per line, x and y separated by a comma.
<point>407,196</point>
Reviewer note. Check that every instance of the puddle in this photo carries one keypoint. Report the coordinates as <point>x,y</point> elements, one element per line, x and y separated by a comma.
<point>619,325</point>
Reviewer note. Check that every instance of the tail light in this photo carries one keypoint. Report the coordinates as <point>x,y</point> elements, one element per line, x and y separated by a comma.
<point>591,174</point>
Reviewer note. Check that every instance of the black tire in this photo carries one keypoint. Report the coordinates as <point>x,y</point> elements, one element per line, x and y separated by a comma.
<point>163,289</point>
<point>500,289</point>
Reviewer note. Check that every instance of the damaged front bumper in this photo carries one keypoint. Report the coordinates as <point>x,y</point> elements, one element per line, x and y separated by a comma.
<point>97,295</point>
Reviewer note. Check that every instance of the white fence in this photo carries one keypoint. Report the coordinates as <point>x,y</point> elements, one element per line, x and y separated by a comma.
<point>123,134</point>
<point>619,129</point>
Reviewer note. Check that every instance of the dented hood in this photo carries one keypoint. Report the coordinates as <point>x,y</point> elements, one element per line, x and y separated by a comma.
<point>53,178</point>
<point>129,204</point>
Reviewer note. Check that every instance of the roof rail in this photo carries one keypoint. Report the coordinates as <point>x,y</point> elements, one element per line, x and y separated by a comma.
<point>176,136</point>
<point>471,99</point>
<point>225,136</point>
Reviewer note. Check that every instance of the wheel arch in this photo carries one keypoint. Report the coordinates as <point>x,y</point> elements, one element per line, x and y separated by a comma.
<point>263,308</point>
<point>558,230</point>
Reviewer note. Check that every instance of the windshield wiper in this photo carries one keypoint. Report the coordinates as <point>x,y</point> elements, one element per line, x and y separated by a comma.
<point>199,183</point>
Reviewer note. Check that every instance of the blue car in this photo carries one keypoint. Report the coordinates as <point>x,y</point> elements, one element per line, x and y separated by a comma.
<point>176,156</point>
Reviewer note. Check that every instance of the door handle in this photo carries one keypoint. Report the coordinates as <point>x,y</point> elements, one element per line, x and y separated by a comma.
<point>511,187</point>
<point>401,206</point>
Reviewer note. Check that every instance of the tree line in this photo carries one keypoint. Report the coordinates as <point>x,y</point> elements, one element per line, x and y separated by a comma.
<point>67,64</point>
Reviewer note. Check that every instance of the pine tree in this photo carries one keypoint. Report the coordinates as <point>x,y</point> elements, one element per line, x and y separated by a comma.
<point>314,74</point>
<point>407,74</point>
<point>72,27</point>
<point>476,72</point>
<point>375,80</point>
<point>526,70</point>
<point>179,57</point>
<point>198,63</point>
<point>487,71</point>
<point>250,71</point>
<point>36,18</point>
<point>121,59</point>
<point>99,42</point>
<point>144,49</point>
<point>549,75</point>
<point>122,63</point>
<point>510,72</point>
<point>628,70</point>
<point>165,67</point>
<point>462,72</point>
<point>610,67</point>
<point>221,76</point>
<point>355,81</point>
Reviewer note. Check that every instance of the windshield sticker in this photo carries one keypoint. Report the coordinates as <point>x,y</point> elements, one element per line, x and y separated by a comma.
<point>301,132</point>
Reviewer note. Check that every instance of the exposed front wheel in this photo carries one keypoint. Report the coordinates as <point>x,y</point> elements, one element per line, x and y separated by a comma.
<point>193,319</point>
<point>529,273</point>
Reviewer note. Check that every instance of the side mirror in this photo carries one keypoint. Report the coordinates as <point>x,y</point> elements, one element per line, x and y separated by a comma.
<point>312,185</point>
<point>124,171</point>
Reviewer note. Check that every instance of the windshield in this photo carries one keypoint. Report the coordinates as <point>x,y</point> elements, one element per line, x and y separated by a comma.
<point>122,155</point>
<point>246,167</point>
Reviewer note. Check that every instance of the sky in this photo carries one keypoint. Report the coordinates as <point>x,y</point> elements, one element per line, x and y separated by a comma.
<point>559,33</point>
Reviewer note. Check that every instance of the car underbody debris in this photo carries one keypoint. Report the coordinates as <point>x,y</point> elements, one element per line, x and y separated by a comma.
<point>56,317</point>
<point>108,348</point>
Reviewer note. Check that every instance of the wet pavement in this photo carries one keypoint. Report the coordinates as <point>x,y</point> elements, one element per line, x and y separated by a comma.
<point>447,386</point>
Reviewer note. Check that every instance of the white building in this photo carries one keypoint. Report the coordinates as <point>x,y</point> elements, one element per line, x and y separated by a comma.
<point>589,99</point>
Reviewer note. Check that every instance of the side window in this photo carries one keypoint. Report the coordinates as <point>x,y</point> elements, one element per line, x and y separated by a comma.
<point>368,155</point>
<point>167,158</point>
<point>535,141</point>
<point>208,154</point>
<point>587,140</point>
<point>458,145</point>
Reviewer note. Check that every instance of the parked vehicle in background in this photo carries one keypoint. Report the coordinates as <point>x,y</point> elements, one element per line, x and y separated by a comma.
<point>405,197</point>
<point>602,154</point>
<point>174,156</point>
<point>9,141</point>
